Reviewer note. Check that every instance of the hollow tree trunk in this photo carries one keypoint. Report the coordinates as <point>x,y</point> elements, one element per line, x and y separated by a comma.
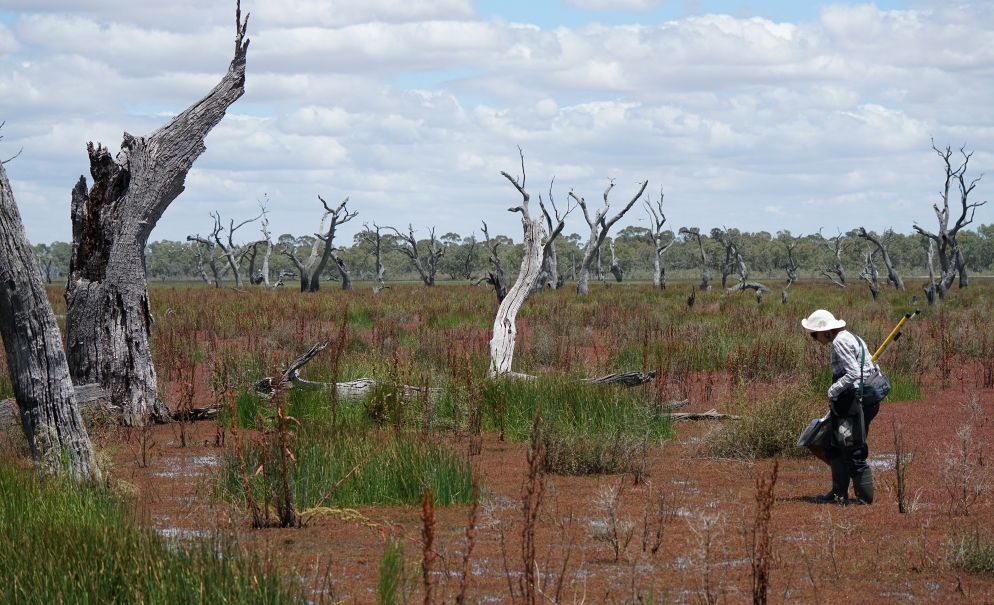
<point>108,319</point>
<point>39,372</point>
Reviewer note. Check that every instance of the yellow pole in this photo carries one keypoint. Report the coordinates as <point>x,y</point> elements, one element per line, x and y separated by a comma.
<point>894,335</point>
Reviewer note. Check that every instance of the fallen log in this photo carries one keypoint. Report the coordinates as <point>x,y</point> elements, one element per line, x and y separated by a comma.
<point>627,379</point>
<point>749,285</point>
<point>91,399</point>
<point>708,415</point>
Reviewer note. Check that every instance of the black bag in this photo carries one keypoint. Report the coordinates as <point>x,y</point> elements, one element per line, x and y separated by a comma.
<point>848,426</point>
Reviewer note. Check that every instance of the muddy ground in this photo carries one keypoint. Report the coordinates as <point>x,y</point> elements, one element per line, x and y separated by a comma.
<point>821,553</point>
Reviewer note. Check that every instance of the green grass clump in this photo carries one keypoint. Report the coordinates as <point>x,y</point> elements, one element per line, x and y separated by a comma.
<point>586,429</point>
<point>767,428</point>
<point>973,554</point>
<point>67,544</point>
<point>397,472</point>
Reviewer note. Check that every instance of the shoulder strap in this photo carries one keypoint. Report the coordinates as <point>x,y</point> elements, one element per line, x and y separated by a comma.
<point>862,359</point>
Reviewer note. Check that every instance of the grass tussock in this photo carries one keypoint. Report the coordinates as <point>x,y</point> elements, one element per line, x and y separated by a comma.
<point>387,467</point>
<point>767,427</point>
<point>68,544</point>
<point>973,554</point>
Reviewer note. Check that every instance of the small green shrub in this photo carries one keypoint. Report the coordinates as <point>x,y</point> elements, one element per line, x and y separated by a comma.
<point>973,554</point>
<point>391,576</point>
<point>766,428</point>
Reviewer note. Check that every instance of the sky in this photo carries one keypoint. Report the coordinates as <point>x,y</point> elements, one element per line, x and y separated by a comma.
<point>767,115</point>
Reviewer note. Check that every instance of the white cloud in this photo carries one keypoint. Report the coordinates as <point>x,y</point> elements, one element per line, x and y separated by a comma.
<point>743,119</point>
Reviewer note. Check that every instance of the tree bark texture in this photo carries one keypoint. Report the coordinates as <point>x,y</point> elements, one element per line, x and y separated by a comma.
<point>108,320</point>
<point>505,332</point>
<point>39,372</point>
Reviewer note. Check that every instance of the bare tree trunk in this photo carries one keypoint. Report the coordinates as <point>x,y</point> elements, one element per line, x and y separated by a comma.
<point>496,277</point>
<point>554,230</point>
<point>616,270</point>
<point>870,273</point>
<point>412,252</point>
<point>597,236</point>
<point>791,268</point>
<point>657,220</point>
<point>339,216</point>
<point>39,372</point>
<point>216,273</point>
<point>705,258</point>
<point>930,288</point>
<point>505,332</point>
<point>837,246</point>
<point>376,240</point>
<point>892,273</point>
<point>950,256</point>
<point>108,319</point>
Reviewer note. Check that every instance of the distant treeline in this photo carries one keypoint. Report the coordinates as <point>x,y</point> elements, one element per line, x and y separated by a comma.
<point>466,258</point>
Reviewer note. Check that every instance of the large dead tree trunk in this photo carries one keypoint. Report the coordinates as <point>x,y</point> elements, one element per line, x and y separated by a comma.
<point>505,332</point>
<point>930,287</point>
<point>599,227</point>
<point>39,372</point>
<point>892,273</point>
<point>950,256</point>
<point>108,319</point>
<point>705,285</point>
<point>657,220</point>
<point>339,216</point>
<point>374,238</point>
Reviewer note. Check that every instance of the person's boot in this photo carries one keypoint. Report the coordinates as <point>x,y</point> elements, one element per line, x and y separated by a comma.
<point>863,486</point>
<point>840,483</point>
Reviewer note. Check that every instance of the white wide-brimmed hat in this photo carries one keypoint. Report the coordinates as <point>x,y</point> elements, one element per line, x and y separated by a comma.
<point>821,321</point>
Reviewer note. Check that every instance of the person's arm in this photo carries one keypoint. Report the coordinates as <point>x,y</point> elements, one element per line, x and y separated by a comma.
<point>848,356</point>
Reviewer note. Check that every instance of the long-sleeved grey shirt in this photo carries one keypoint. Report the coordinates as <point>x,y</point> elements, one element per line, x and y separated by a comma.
<point>845,362</point>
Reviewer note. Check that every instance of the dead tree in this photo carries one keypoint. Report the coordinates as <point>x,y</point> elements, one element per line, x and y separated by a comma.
<point>791,267</point>
<point>705,257</point>
<point>231,251</point>
<point>951,259</point>
<point>880,243</point>
<point>930,287</point>
<point>657,220</point>
<point>870,273</point>
<point>505,332</point>
<point>217,273</point>
<point>262,277</point>
<point>554,228</point>
<point>837,246</point>
<point>616,270</point>
<point>496,277</point>
<point>304,267</point>
<point>108,319</point>
<point>599,227</point>
<point>734,260</point>
<point>39,372</point>
<point>410,249</point>
<point>376,239</point>
<point>467,269</point>
<point>339,216</point>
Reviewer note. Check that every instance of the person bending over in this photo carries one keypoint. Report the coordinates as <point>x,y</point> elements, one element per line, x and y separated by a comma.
<point>851,366</point>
